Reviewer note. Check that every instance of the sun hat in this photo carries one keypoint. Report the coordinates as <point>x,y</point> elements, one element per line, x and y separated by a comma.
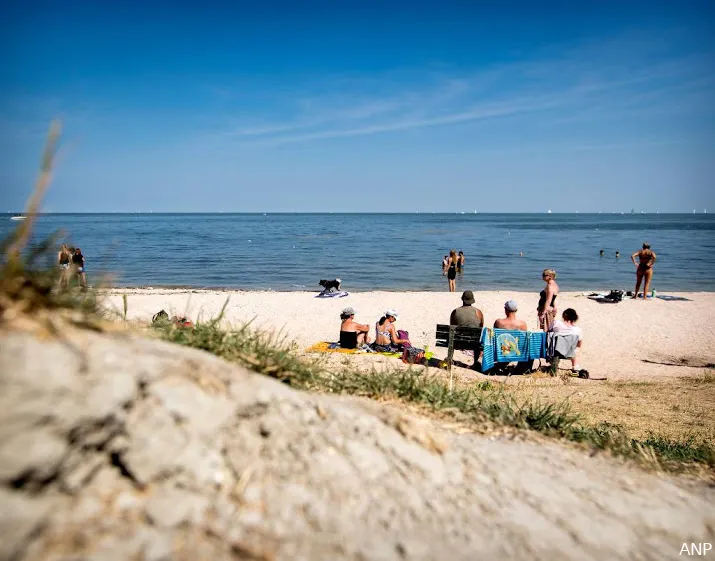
<point>348,312</point>
<point>511,306</point>
<point>392,313</point>
<point>468,297</point>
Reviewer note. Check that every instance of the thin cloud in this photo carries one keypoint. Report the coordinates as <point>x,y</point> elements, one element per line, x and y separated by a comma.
<point>576,81</point>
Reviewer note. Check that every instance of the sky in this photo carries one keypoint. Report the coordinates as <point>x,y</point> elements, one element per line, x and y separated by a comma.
<point>360,106</point>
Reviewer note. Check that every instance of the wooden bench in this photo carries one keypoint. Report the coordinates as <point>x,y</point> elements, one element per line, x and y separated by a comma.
<point>460,338</point>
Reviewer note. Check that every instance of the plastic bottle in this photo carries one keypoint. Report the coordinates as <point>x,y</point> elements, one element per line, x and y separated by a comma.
<point>652,293</point>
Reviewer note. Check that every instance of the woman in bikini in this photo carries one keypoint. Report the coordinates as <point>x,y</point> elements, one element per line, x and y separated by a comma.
<point>547,300</point>
<point>386,339</point>
<point>644,271</point>
<point>452,270</point>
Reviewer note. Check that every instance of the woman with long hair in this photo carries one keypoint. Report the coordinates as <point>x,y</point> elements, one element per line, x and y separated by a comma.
<point>547,300</point>
<point>386,338</point>
<point>63,264</point>
<point>452,270</point>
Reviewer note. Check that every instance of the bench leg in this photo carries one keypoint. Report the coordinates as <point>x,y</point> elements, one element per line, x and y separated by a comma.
<point>450,354</point>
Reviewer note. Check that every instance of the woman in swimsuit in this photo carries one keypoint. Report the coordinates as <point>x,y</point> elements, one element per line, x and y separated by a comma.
<point>547,299</point>
<point>63,264</point>
<point>452,271</point>
<point>352,334</point>
<point>386,339</point>
<point>460,261</point>
<point>644,271</point>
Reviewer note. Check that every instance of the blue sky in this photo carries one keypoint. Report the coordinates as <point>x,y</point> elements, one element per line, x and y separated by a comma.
<point>337,106</point>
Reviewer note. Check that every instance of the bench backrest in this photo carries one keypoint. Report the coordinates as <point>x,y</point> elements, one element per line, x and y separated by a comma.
<point>463,337</point>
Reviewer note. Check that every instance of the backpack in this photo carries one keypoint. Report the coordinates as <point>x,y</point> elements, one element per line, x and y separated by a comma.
<point>615,295</point>
<point>160,317</point>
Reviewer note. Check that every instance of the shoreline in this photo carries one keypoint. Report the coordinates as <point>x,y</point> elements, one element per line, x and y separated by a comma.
<point>191,289</point>
<point>624,341</point>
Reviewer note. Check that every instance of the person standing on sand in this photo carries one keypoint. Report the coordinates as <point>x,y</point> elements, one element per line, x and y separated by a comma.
<point>547,299</point>
<point>644,269</point>
<point>452,271</point>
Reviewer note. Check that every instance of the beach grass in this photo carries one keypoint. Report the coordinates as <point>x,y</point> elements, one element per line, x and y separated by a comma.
<point>678,408</point>
<point>478,403</point>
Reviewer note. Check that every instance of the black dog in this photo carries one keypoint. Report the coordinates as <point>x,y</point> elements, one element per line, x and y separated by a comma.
<point>330,285</point>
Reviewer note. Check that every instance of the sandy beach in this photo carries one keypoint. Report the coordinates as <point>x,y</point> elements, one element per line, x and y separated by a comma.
<point>631,340</point>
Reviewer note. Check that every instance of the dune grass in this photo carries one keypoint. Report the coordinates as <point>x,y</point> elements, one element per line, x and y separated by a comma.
<point>477,403</point>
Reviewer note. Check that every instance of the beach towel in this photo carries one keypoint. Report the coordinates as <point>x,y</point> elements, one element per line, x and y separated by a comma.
<point>669,298</point>
<point>513,346</point>
<point>558,344</point>
<point>333,347</point>
<point>486,341</point>
<point>510,345</point>
<point>536,348</point>
<point>328,294</point>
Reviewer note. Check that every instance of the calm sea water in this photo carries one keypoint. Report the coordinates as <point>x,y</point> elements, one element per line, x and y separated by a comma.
<point>387,251</point>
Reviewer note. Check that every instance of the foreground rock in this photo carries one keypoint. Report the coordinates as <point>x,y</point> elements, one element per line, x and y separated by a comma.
<point>114,447</point>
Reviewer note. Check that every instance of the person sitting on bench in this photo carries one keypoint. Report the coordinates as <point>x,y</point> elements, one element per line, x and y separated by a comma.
<point>352,334</point>
<point>513,323</point>
<point>510,321</point>
<point>467,315</point>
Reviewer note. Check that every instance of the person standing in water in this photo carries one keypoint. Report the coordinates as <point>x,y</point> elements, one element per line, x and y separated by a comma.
<point>78,264</point>
<point>460,261</point>
<point>63,263</point>
<point>644,268</point>
<point>452,271</point>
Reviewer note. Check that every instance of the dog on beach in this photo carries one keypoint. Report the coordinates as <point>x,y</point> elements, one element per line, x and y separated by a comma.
<point>330,285</point>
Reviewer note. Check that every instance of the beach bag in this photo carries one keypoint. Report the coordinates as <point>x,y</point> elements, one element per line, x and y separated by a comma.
<point>615,295</point>
<point>401,334</point>
<point>413,355</point>
<point>160,317</point>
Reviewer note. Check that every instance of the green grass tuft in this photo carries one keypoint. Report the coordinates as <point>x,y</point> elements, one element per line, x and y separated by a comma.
<point>479,402</point>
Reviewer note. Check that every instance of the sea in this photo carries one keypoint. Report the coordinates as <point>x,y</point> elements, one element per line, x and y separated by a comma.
<point>394,252</point>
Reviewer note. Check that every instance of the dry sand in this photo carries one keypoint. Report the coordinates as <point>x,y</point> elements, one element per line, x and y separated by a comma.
<point>631,340</point>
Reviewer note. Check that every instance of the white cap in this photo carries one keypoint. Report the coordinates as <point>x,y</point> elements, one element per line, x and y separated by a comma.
<point>392,313</point>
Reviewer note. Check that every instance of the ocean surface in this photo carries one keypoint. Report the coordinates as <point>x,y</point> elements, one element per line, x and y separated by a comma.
<point>386,251</point>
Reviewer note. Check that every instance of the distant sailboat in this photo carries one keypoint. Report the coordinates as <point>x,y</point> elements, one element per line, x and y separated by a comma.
<point>549,211</point>
<point>705,211</point>
<point>693,211</point>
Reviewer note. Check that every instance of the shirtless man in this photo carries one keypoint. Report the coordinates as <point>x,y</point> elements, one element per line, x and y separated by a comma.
<point>644,271</point>
<point>510,321</point>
